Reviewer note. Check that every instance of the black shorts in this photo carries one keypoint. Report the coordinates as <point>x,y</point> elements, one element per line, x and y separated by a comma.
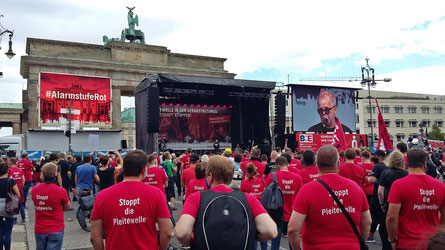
<point>171,186</point>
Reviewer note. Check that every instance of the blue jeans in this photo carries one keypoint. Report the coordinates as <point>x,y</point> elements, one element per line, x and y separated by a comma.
<point>22,210</point>
<point>26,189</point>
<point>6,225</point>
<point>275,242</point>
<point>52,241</point>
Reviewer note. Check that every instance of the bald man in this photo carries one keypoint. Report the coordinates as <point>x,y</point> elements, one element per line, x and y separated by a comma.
<point>327,109</point>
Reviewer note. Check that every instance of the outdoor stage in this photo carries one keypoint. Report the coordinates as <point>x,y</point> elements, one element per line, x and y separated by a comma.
<point>192,111</point>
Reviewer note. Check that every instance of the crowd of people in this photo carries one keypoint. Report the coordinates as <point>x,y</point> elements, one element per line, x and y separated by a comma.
<point>236,200</point>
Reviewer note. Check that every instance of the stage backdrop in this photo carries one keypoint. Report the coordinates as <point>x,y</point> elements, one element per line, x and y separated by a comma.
<point>315,141</point>
<point>304,106</point>
<point>194,127</point>
<point>90,100</point>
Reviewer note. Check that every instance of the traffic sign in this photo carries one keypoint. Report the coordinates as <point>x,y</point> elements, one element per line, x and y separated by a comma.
<point>73,111</point>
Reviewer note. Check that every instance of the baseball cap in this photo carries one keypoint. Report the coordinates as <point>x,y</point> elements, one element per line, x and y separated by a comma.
<point>194,158</point>
<point>228,151</point>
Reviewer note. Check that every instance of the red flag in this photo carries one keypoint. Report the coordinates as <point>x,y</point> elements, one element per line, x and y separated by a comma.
<point>383,132</point>
<point>338,140</point>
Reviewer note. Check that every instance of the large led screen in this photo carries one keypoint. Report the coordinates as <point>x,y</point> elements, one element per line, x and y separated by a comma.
<point>90,100</point>
<point>195,127</point>
<point>320,109</point>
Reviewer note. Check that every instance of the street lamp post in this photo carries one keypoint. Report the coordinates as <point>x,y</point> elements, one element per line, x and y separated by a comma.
<point>10,54</point>
<point>370,81</point>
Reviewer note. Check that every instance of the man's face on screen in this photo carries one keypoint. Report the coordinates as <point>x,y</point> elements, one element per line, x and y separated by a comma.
<point>327,109</point>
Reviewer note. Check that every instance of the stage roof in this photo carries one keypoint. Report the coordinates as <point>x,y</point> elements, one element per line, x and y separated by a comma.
<point>166,78</point>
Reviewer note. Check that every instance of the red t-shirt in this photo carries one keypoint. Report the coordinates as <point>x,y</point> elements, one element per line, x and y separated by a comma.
<point>17,174</point>
<point>156,177</point>
<point>26,166</point>
<point>186,160</point>
<point>188,175</point>
<point>254,187</point>
<point>192,203</point>
<point>290,184</point>
<point>128,211</point>
<point>309,174</point>
<point>260,167</point>
<point>368,188</point>
<point>421,197</point>
<point>357,160</point>
<point>326,227</point>
<point>354,172</point>
<point>48,202</point>
<point>296,164</point>
<point>194,186</point>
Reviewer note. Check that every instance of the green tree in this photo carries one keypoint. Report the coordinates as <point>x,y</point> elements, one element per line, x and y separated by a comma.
<point>436,134</point>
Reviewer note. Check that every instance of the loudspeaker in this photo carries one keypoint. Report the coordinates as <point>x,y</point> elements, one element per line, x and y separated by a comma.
<point>280,113</point>
<point>123,144</point>
<point>152,110</point>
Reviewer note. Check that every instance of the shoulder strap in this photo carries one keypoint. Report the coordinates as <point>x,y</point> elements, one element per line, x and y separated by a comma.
<point>253,184</point>
<point>340,205</point>
<point>274,176</point>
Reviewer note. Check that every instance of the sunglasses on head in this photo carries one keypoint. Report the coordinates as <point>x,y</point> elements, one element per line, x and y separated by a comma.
<point>325,110</point>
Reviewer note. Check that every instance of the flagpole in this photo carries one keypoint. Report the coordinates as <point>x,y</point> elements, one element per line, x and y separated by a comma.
<point>370,115</point>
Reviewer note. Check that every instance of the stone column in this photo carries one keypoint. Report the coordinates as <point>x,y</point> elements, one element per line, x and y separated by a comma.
<point>116,108</point>
<point>16,128</point>
<point>32,110</point>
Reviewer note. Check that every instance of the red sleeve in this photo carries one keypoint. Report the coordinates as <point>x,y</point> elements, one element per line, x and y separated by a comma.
<point>299,182</point>
<point>28,165</point>
<point>395,194</point>
<point>162,209</point>
<point>192,204</point>
<point>255,205</point>
<point>188,190</point>
<point>64,196</point>
<point>300,203</point>
<point>365,205</point>
<point>96,214</point>
<point>164,175</point>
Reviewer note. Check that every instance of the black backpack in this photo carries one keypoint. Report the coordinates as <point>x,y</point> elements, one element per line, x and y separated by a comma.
<point>224,221</point>
<point>272,199</point>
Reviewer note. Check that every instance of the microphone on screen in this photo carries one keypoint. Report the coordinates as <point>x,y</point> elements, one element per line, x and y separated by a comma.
<point>325,121</point>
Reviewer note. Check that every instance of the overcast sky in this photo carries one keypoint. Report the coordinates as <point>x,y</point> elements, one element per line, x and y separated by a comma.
<point>262,40</point>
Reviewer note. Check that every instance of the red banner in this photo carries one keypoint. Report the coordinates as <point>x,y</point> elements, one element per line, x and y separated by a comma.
<point>90,100</point>
<point>315,141</point>
<point>436,144</point>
